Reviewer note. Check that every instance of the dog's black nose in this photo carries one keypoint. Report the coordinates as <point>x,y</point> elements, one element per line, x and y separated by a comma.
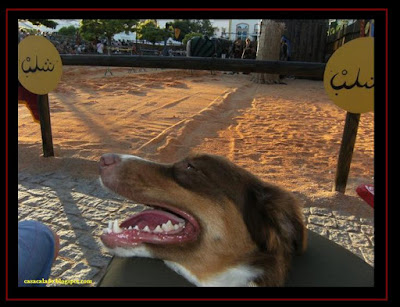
<point>108,160</point>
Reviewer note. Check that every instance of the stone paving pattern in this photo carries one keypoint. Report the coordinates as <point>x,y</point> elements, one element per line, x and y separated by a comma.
<point>78,209</point>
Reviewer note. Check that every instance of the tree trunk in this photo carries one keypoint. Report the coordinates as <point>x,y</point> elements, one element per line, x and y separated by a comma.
<point>269,45</point>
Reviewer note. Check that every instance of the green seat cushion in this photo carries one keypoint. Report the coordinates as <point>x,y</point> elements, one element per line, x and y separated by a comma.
<point>324,264</point>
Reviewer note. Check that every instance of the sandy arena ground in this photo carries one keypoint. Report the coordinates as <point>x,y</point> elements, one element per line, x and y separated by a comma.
<point>287,134</point>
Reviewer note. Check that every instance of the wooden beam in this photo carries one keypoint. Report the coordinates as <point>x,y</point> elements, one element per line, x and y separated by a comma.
<point>299,69</point>
<point>348,142</point>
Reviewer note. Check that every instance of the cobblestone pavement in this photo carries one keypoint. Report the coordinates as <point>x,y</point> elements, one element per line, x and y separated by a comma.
<point>78,209</point>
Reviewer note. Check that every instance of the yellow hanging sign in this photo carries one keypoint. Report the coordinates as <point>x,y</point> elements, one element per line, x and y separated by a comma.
<point>349,76</point>
<point>39,65</point>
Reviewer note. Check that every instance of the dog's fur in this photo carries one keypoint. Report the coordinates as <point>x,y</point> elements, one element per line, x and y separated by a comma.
<point>250,229</point>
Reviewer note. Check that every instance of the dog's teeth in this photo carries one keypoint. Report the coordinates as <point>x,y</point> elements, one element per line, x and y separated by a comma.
<point>176,227</point>
<point>147,229</point>
<point>130,227</point>
<point>116,227</point>
<point>167,226</point>
<point>158,229</point>
<point>136,227</point>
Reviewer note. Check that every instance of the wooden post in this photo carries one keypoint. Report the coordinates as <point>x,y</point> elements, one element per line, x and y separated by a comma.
<point>346,151</point>
<point>45,125</point>
<point>348,142</point>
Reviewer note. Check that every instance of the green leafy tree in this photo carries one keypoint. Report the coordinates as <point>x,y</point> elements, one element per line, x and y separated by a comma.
<point>186,26</point>
<point>189,36</point>
<point>204,27</point>
<point>93,29</point>
<point>68,31</point>
<point>30,31</point>
<point>150,31</point>
<point>336,25</point>
<point>43,22</point>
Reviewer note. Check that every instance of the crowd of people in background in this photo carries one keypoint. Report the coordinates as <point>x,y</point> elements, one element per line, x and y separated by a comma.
<point>239,49</point>
<point>77,45</point>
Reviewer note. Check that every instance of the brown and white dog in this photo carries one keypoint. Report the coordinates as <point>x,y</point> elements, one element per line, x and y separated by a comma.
<point>211,221</point>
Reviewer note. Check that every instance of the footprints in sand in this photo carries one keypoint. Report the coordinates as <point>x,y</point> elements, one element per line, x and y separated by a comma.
<point>137,92</point>
<point>152,85</point>
<point>178,140</point>
<point>149,107</point>
<point>90,102</point>
<point>176,84</point>
<point>136,86</point>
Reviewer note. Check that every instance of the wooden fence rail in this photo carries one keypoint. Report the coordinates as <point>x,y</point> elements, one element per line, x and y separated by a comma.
<point>298,69</point>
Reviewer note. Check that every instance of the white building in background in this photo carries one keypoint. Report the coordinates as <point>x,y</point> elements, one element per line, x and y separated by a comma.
<point>231,29</point>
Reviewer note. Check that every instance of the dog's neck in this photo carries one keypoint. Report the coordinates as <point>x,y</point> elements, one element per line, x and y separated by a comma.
<point>239,276</point>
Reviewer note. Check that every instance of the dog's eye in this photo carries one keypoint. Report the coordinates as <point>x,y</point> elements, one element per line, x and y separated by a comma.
<point>190,167</point>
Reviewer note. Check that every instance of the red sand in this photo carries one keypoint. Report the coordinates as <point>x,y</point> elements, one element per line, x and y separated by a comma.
<point>288,134</point>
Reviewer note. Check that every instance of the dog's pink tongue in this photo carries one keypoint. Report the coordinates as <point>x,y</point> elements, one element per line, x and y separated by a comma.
<point>151,226</point>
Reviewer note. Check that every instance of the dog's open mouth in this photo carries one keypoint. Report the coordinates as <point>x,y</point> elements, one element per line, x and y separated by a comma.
<point>163,224</point>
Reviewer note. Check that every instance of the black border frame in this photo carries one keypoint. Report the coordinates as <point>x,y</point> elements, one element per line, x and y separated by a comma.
<point>378,293</point>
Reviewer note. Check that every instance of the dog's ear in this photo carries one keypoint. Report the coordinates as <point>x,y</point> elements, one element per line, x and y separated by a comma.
<point>274,219</point>
<point>301,233</point>
<point>259,217</point>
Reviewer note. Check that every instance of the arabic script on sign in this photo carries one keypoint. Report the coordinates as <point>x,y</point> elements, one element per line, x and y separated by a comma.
<point>39,65</point>
<point>349,76</point>
<point>33,66</point>
<point>356,82</point>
